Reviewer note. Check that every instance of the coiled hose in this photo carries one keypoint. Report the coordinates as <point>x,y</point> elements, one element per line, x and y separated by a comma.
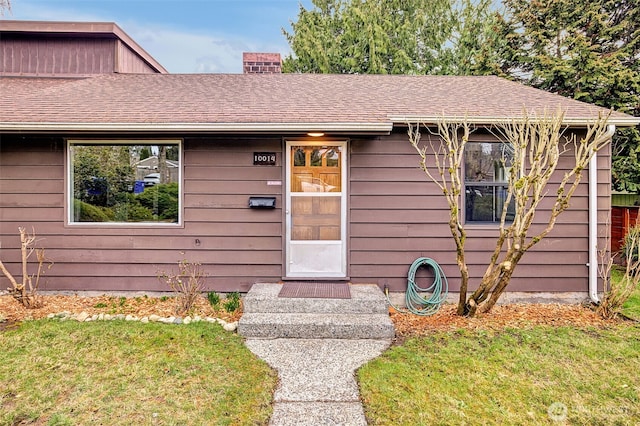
<point>439,289</point>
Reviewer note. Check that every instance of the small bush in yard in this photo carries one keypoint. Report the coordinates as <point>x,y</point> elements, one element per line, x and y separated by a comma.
<point>232,303</point>
<point>25,290</point>
<point>631,245</point>
<point>619,288</point>
<point>214,299</point>
<point>188,282</point>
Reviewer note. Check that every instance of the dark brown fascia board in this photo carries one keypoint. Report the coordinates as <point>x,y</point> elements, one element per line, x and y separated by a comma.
<point>87,28</point>
<point>200,128</point>
<point>619,120</point>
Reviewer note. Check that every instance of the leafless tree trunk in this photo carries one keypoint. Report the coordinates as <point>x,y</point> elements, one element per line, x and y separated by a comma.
<point>536,143</point>
<point>26,292</point>
<point>163,170</point>
<point>447,159</point>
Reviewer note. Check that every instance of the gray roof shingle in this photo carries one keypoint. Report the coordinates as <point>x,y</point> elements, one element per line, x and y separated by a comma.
<point>270,101</point>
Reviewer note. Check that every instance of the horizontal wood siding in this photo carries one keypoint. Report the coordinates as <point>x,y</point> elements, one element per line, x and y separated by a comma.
<point>59,56</point>
<point>237,246</point>
<point>398,215</point>
<point>395,215</point>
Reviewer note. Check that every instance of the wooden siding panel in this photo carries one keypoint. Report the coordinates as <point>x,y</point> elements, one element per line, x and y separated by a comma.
<point>229,201</point>
<point>30,186</point>
<point>236,245</point>
<point>214,187</point>
<point>125,269</point>
<point>397,215</point>
<point>232,215</point>
<point>226,174</point>
<point>218,283</point>
<point>130,62</point>
<point>61,56</point>
<point>165,256</point>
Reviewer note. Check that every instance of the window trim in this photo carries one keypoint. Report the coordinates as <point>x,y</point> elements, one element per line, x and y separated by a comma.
<point>146,141</point>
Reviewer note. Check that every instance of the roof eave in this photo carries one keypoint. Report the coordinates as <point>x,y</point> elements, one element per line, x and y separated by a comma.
<point>379,128</point>
<point>628,121</point>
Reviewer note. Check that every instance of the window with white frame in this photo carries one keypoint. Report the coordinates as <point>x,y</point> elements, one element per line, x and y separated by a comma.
<point>486,181</point>
<point>124,181</point>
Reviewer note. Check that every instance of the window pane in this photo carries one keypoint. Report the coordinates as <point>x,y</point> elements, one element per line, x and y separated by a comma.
<point>315,218</point>
<point>316,158</point>
<point>485,162</point>
<point>125,182</point>
<point>299,159</point>
<point>333,158</point>
<point>321,174</point>
<point>485,203</point>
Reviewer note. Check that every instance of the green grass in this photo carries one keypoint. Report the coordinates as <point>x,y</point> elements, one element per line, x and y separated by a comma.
<point>511,377</point>
<point>631,307</point>
<point>123,373</point>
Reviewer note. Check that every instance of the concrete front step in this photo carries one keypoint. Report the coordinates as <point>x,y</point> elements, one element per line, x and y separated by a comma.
<point>364,316</point>
<point>365,299</point>
<point>316,326</point>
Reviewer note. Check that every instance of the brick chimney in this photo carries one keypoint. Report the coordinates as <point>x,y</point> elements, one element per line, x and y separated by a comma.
<point>261,63</point>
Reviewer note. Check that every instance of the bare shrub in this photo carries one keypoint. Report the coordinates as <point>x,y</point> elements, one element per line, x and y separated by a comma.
<point>188,282</point>
<point>26,292</point>
<point>616,292</point>
<point>535,144</point>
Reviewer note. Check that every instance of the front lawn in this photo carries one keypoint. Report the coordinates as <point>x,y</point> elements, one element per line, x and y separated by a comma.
<point>123,373</point>
<point>543,375</point>
<point>631,307</point>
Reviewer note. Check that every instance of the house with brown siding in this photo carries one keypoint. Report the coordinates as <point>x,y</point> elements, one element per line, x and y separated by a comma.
<point>278,176</point>
<point>56,49</point>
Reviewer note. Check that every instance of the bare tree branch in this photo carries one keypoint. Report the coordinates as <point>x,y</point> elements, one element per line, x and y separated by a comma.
<point>536,144</point>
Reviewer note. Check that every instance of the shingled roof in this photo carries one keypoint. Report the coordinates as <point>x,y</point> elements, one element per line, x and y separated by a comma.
<point>271,102</point>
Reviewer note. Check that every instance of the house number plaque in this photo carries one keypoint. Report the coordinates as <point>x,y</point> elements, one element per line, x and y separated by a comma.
<point>264,158</point>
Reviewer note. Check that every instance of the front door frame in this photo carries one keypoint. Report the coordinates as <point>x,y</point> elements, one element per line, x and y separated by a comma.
<point>341,269</point>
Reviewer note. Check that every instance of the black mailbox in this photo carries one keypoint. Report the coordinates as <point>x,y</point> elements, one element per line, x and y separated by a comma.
<point>262,202</point>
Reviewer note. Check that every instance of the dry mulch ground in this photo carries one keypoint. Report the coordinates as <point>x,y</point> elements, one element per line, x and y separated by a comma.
<point>13,311</point>
<point>502,316</point>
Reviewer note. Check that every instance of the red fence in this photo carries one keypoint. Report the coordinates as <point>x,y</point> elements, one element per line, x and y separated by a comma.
<point>622,218</point>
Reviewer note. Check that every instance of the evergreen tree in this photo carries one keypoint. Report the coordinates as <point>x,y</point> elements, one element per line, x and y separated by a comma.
<point>394,37</point>
<point>588,51</point>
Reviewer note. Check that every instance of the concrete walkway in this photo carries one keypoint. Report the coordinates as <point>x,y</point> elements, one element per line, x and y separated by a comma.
<point>317,378</point>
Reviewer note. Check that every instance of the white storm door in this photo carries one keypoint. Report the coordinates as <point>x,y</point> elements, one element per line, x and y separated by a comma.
<point>316,209</point>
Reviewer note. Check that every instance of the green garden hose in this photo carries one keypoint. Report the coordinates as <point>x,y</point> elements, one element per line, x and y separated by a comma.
<point>438,289</point>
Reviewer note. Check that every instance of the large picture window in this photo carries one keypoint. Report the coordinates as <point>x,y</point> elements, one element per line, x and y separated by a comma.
<point>485,179</point>
<point>124,181</point>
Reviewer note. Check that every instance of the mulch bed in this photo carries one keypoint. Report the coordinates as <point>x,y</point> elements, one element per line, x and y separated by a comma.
<point>501,317</point>
<point>12,311</point>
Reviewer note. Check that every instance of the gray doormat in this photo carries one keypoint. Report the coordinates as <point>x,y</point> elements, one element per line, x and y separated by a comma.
<point>315,290</point>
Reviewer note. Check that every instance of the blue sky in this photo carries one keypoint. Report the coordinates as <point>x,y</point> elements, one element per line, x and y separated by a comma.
<point>185,36</point>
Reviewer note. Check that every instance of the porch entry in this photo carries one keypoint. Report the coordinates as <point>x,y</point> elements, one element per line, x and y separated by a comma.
<point>316,209</point>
